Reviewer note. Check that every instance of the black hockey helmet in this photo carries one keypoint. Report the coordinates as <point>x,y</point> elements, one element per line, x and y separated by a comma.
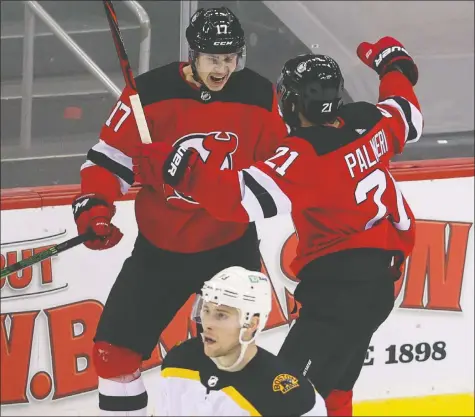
<point>216,31</point>
<point>312,85</point>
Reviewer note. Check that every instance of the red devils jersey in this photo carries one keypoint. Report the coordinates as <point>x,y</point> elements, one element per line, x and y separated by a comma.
<point>334,181</point>
<point>230,129</point>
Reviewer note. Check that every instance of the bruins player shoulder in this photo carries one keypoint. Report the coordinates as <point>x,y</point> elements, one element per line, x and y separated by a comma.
<point>197,378</point>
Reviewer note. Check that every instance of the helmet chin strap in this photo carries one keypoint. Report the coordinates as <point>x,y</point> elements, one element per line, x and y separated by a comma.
<point>195,72</point>
<point>243,348</point>
<point>197,78</point>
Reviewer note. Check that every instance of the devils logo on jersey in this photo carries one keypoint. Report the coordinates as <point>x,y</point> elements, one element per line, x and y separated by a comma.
<point>214,148</point>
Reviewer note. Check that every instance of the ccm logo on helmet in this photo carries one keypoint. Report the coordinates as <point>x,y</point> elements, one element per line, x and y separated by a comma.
<point>386,52</point>
<point>222,43</point>
<point>176,160</point>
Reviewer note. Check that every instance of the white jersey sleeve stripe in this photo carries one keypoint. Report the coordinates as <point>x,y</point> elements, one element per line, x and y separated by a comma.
<point>410,115</point>
<point>393,104</point>
<point>114,160</point>
<point>249,201</point>
<point>417,121</point>
<point>266,193</point>
<point>283,203</point>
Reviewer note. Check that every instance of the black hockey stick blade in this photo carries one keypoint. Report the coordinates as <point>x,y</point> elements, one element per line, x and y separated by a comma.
<point>41,256</point>
<point>119,44</point>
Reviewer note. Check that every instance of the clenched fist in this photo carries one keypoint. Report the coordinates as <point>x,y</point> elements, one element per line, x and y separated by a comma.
<point>93,212</point>
<point>386,55</point>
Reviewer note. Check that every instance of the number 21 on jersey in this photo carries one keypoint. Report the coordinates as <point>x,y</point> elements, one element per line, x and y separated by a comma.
<point>281,151</point>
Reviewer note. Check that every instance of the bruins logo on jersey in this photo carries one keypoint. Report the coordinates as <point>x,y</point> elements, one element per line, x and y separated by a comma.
<point>284,383</point>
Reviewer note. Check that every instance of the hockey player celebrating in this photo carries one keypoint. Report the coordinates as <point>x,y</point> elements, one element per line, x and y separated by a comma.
<point>354,226</point>
<point>227,374</point>
<point>179,244</point>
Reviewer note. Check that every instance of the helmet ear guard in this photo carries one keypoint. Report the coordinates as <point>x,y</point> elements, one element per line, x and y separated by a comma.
<point>288,101</point>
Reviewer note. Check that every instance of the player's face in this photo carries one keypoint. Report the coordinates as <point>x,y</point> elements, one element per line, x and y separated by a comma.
<point>221,329</point>
<point>215,69</point>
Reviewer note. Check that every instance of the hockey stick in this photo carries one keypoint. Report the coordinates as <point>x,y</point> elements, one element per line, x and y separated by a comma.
<point>127,73</point>
<point>141,126</point>
<point>48,253</point>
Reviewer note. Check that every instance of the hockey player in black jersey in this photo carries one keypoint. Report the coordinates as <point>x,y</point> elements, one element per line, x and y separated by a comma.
<point>224,372</point>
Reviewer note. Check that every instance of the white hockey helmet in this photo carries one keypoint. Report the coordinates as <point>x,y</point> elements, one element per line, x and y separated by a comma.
<point>248,291</point>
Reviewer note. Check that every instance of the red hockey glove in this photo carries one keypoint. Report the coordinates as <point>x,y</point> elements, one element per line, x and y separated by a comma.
<point>160,163</point>
<point>177,165</point>
<point>184,170</point>
<point>93,212</point>
<point>148,162</point>
<point>387,55</point>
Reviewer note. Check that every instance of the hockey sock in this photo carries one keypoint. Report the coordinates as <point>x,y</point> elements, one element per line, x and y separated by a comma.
<point>123,396</point>
<point>339,403</point>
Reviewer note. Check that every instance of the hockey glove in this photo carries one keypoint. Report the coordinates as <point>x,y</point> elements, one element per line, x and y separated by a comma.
<point>160,163</point>
<point>93,212</point>
<point>387,55</point>
<point>177,165</point>
<point>148,162</point>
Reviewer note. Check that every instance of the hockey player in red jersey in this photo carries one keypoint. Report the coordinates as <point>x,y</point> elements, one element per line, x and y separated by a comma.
<point>229,114</point>
<point>332,173</point>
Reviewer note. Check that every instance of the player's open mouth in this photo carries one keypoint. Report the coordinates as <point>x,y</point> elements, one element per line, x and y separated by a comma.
<point>218,79</point>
